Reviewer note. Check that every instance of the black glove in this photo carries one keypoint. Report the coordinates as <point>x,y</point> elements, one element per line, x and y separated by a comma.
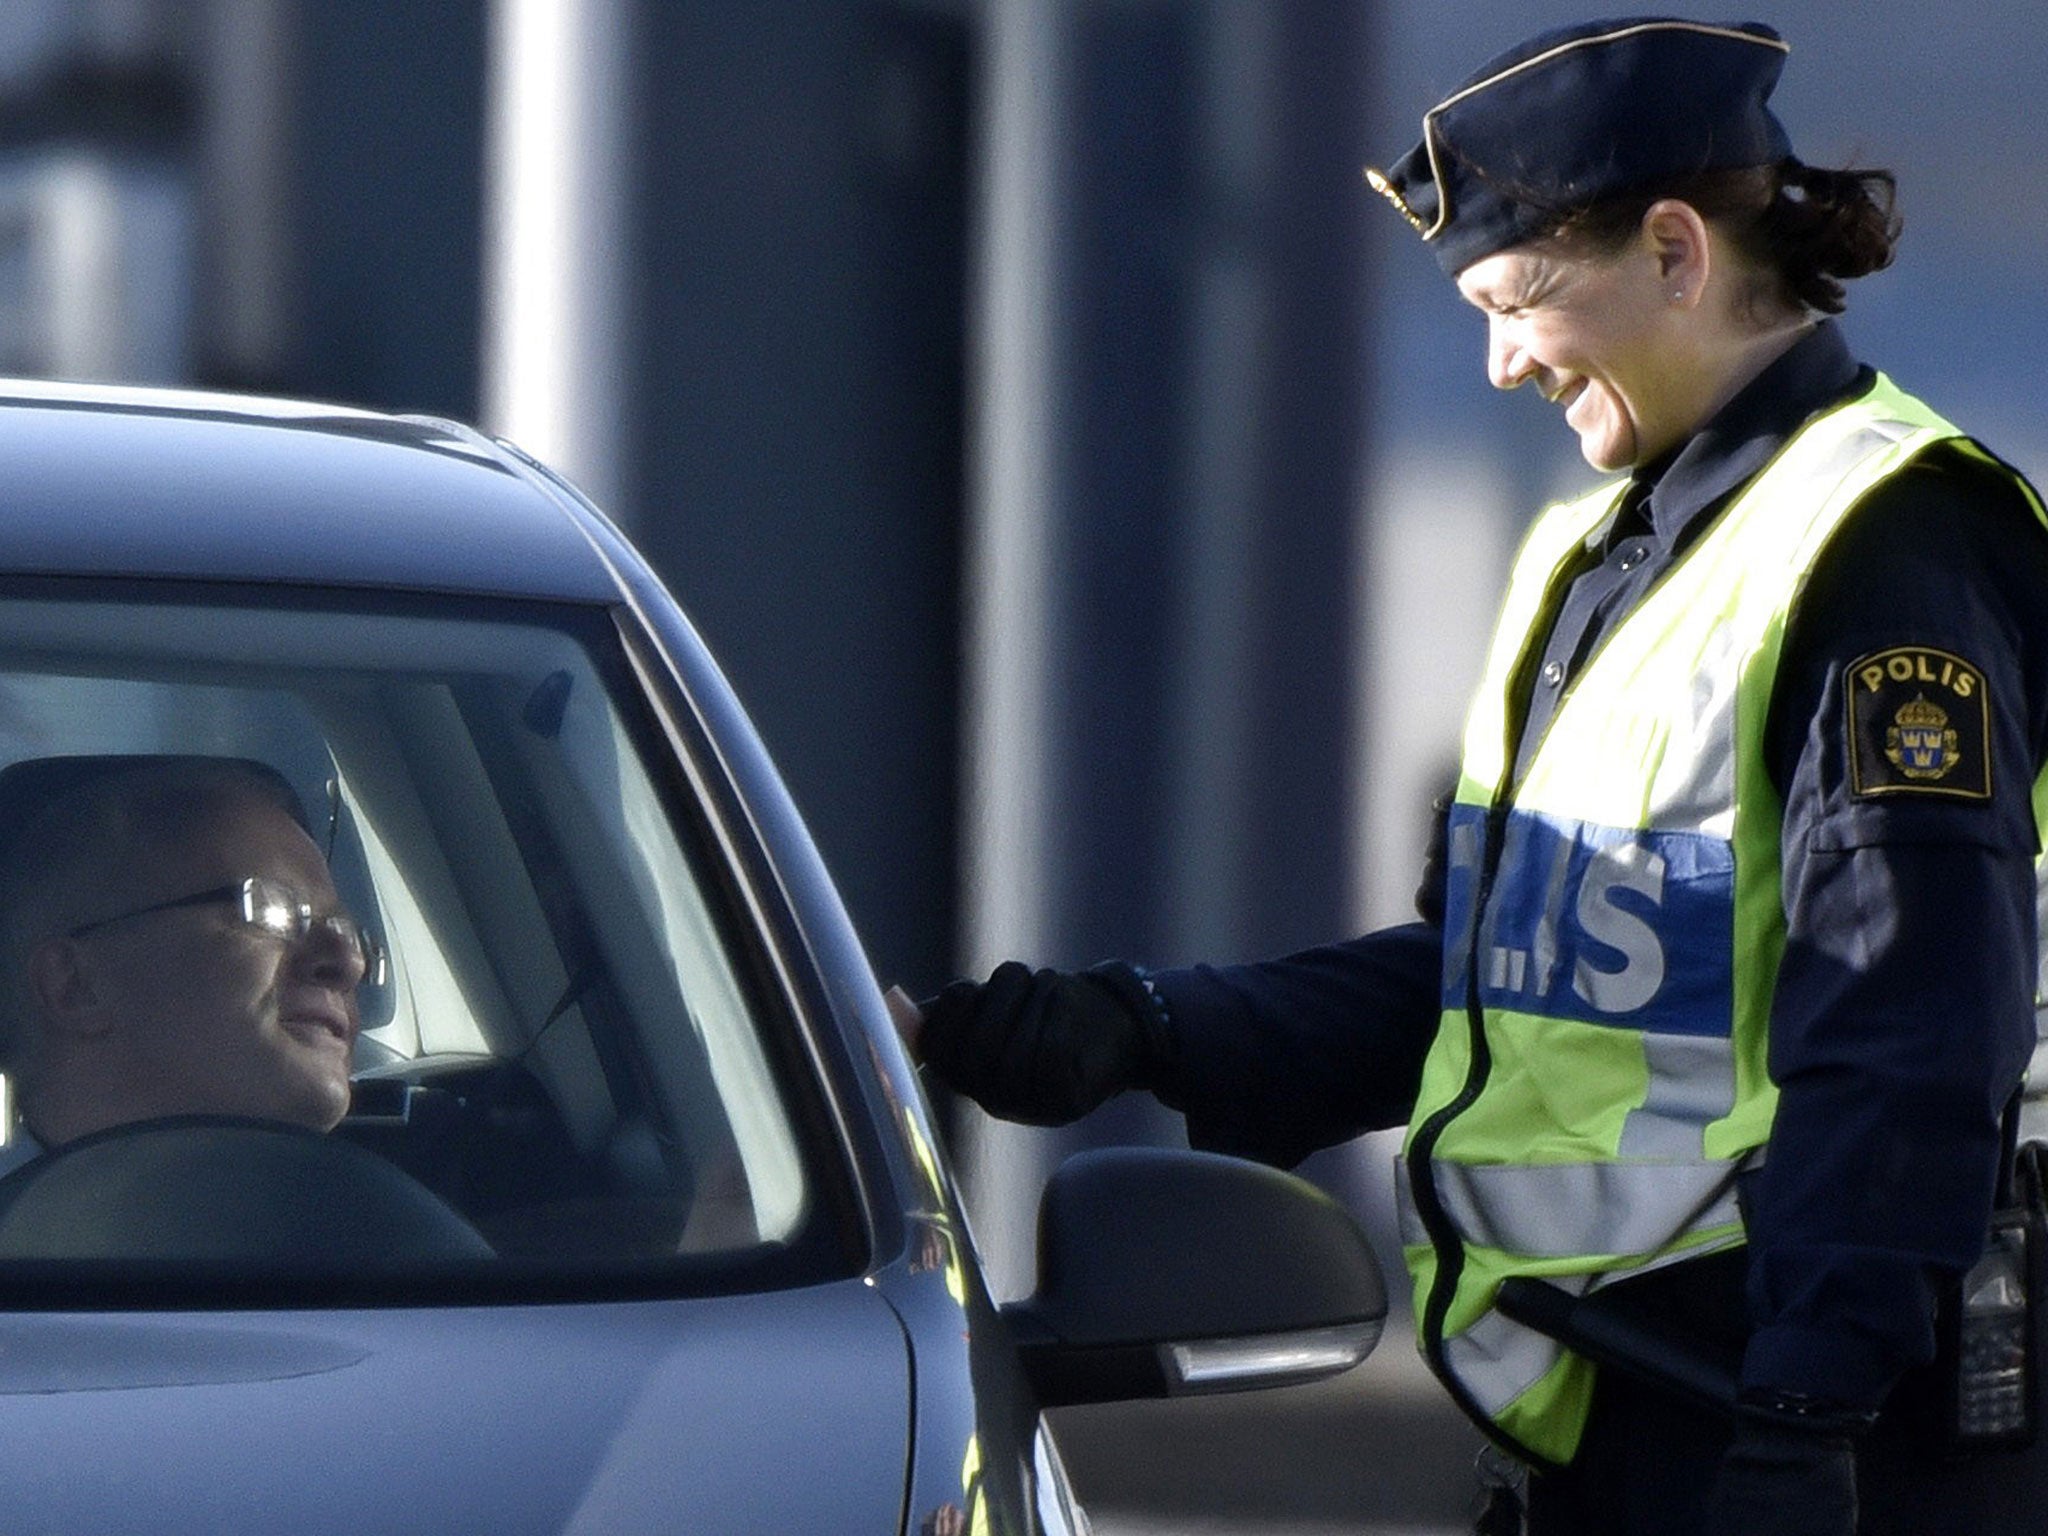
<point>1045,1047</point>
<point>1781,1479</point>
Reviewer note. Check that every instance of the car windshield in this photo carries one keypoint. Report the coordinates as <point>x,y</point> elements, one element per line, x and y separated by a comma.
<point>569,1068</point>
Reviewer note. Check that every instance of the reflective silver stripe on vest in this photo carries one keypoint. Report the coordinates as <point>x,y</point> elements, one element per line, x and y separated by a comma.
<point>1692,1084</point>
<point>1497,1360</point>
<point>1413,1233</point>
<point>1579,1210</point>
<point>1703,800</point>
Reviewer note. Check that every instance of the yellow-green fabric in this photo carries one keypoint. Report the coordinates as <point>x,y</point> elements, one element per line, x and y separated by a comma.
<point>1614,926</point>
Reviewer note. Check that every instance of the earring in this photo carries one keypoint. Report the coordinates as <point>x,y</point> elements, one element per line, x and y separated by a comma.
<point>1678,295</point>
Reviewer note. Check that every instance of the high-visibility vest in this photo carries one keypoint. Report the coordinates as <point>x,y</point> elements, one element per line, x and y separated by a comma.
<point>1614,925</point>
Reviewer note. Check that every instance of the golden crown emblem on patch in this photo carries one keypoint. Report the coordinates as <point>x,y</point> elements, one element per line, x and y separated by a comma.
<point>1920,743</point>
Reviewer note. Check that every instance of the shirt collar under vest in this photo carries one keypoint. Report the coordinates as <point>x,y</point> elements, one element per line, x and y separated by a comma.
<point>1693,481</point>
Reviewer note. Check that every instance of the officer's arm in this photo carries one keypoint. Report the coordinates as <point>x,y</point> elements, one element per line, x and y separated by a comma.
<point>1904,1011</point>
<point>1271,1060</point>
<point>1278,1059</point>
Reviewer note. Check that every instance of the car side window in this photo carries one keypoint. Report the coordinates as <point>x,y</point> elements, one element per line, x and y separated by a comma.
<point>561,1034</point>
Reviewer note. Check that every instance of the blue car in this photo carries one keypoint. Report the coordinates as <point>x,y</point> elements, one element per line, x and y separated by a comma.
<point>636,1220</point>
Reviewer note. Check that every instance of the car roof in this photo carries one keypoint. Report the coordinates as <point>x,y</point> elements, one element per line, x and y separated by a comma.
<point>125,481</point>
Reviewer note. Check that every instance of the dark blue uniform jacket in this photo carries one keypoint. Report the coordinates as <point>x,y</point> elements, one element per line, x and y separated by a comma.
<point>1904,1013</point>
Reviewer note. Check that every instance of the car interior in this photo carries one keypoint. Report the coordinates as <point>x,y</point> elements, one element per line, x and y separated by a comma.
<point>569,1047</point>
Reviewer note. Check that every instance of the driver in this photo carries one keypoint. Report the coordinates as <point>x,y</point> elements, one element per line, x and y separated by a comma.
<point>172,945</point>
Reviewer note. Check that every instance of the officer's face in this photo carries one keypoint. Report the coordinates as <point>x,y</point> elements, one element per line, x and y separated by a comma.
<point>1598,335</point>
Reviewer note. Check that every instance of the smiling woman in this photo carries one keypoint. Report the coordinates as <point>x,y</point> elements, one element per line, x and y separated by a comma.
<point>1713,918</point>
<point>1596,337</point>
<point>1643,317</point>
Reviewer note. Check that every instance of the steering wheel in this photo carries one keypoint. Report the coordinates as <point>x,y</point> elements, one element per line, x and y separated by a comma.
<point>219,1190</point>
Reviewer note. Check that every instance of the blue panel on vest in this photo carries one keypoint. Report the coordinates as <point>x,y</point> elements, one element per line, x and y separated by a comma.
<point>1608,925</point>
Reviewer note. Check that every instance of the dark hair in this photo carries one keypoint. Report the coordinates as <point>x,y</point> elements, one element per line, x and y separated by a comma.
<point>1813,229</point>
<point>85,823</point>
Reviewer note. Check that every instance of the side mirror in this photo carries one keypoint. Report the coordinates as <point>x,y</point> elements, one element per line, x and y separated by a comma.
<point>1166,1272</point>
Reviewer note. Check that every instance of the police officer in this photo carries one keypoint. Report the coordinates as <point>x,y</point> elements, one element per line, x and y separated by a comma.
<point>1728,965</point>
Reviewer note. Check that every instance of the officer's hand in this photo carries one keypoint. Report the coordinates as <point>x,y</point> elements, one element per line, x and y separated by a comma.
<point>1778,1480</point>
<point>1044,1047</point>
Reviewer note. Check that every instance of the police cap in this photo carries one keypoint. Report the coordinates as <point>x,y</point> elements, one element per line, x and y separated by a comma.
<point>1575,116</point>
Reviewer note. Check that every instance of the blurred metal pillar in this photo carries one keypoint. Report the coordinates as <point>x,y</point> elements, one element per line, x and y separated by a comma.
<point>1171,422</point>
<point>1008,716</point>
<point>97,260</point>
<point>555,230</point>
<point>345,268</point>
<point>247,326</point>
<point>1017,321</point>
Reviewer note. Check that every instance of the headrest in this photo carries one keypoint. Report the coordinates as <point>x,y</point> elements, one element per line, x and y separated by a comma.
<point>31,786</point>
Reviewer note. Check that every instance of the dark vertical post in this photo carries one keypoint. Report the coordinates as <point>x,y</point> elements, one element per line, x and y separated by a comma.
<point>387,198</point>
<point>1206,526</point>
<point>798,366</point>
<point>1204,401</point>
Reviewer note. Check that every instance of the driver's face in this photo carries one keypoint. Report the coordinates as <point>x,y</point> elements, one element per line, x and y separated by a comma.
<point>215,1017</point>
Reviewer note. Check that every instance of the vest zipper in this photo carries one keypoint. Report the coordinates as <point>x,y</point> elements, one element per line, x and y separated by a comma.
<point>1443,1236</point>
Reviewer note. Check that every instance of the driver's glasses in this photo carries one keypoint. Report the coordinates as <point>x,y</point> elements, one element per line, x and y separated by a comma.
<point>270,907</point>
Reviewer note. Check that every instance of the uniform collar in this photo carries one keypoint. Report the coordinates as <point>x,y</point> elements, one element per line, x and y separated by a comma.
<point>1815,372</point>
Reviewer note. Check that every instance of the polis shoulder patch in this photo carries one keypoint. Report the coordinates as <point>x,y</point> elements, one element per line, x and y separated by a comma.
<point>1919,724</point>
